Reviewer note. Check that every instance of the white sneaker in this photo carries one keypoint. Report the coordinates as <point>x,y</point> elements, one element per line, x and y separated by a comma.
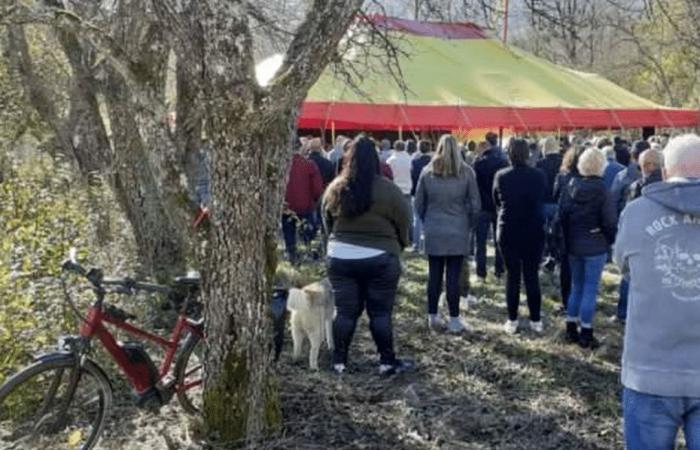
<point>435,322</point>
<point>537,327</point>
<point>469,300</point>
<point>456,326</point>
<point>511,326</point>
<point>339,368</point>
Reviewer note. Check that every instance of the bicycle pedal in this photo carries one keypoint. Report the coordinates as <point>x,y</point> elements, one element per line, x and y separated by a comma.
<point>149,399</point>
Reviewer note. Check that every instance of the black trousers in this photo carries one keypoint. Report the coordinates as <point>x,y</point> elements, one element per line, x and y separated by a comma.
<point>437,266</point>
<point>522,261</point>
<point>364,283</point>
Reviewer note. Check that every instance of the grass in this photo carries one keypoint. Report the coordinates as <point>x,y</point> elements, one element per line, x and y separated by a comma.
<point>482,390</point>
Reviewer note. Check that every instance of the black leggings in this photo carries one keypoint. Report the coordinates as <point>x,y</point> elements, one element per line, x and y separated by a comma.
<point>436,269</point>
<point>364,283</point>
<point>523,263</point>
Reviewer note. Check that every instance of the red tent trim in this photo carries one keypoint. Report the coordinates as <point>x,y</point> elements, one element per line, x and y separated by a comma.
<point>369,116</point>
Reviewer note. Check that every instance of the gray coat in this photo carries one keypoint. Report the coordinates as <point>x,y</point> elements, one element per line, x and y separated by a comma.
<point>448,208</point>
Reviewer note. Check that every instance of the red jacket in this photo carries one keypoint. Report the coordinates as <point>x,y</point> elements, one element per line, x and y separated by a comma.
<point>386,171</point>
<point>305,185</point>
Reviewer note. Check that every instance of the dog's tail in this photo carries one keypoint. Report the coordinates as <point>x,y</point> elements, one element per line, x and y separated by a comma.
<point>297,301</point>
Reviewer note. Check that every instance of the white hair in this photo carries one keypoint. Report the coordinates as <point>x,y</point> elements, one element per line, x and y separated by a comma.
<point>591,163</point>
<point>682,157</point>
<point>549,145</point>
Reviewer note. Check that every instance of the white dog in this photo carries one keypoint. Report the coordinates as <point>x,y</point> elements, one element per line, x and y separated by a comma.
<point>312,309</point>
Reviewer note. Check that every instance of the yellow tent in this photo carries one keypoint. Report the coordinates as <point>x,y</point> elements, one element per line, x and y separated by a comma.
<point>458,77</point>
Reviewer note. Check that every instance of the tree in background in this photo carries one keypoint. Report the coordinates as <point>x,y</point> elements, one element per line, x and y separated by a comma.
<point>121,59</point>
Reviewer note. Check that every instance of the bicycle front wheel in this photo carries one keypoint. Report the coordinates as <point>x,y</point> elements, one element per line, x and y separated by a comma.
<point>53,404</point>
<point>188,375</point>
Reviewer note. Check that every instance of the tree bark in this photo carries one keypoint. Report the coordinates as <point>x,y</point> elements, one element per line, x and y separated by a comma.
<point>252,130</point>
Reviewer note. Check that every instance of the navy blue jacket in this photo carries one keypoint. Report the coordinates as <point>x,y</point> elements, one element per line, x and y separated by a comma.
<point>417,166</point>
<point>588,216</point>
<point>486,166</point>
<point>519,194</point>
<point>550,166</point>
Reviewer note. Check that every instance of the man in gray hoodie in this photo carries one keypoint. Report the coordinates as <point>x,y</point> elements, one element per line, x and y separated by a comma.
<point>659,246</point>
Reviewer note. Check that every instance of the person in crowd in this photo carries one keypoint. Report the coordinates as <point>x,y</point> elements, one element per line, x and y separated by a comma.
<point>325,166</point>
<point>447,201</point>
<point>629,175</point>
<point>622,152</point>
<point>589,219</point>
<point>550,166</point>
<point>367,218</point>
<point>304,189</point>
<point>470,153</point>
<point>384,150</point>
<point>338,150</point>
<point>621,194</point>
<point>535,154</point>
<point>417,166</point>
<point>411,148</point>
<point>659,245</point>
<point>651,163</point>
<point>400,164</point>
<point>486,166</point>
<point>557,241</point>
<point>492,142</point>
<point>519,194</point>
<point>612,168</point>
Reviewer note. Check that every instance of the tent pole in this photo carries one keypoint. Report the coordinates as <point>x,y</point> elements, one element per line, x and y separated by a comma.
<point>400,133</point>
<point>500,137</point>
<point>333,132</point>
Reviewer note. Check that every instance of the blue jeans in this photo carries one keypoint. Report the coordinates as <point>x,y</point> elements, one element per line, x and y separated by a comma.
<point>292,224</point>
<point>486,222</point>
<point>585,279</point>
<point>624,295</point>
<point>417,229</point>
<point>652,421</point>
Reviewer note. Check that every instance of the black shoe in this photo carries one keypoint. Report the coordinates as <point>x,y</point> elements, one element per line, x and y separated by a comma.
<point>399,366</point>
<point>586,340</point>
<point>572,336</point>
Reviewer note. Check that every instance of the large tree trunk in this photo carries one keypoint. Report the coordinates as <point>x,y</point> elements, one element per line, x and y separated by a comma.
<point>240,400</point>
<point>252,130</point>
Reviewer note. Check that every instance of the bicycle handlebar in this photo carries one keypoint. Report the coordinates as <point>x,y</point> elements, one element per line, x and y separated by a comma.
<point>96,277</point>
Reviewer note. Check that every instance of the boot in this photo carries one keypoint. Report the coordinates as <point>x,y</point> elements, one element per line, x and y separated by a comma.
<point>586,340</point>
<point>572,332</point>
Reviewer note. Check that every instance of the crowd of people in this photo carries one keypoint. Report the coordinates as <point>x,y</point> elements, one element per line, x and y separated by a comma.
<point>555,202</point>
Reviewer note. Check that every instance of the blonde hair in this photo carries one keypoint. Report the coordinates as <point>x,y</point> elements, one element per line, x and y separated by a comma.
<point>591,163</point>
<point>447,161</point>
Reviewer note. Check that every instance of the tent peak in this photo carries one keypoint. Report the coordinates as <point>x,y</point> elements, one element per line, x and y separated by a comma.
<point>443,30</point>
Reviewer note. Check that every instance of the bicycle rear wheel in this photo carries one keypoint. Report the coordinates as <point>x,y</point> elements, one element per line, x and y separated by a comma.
<point>49,406</point>
<point>189,374</point>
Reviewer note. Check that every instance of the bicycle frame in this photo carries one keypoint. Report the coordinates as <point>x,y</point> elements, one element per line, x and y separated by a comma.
<point>140,379</point>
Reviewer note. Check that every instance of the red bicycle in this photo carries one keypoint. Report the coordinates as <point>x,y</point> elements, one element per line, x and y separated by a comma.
<point>63,399</point>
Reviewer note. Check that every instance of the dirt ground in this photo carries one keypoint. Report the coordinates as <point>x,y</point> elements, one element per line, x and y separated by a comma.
<point>481,390</point>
